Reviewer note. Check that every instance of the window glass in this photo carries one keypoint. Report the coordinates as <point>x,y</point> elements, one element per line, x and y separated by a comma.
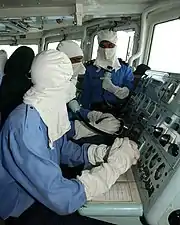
<point>54,45</point>
<point>124,45</point>
<point>10,49</point>
<point>165,48</point>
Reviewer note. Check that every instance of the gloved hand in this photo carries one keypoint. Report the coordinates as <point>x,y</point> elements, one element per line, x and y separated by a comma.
<point>123,154</point>
<point>104,121</point>
<point>82,131</point>
<point>3,59</point>
<point>119,92</point>
<point>122,93</point>
<point>128,156</point>
<point>96,153</point>
<point>74,105</point>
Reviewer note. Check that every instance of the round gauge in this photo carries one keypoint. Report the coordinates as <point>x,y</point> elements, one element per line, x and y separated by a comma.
<point>153,161</point>
<point>149,151</point>
<point>159,171</point>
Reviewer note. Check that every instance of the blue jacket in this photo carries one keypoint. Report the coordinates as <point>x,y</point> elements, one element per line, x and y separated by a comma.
<point>92,85</point>
<point>29,169</point>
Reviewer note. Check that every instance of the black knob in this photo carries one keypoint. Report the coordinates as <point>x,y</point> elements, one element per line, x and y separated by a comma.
<point>148,184</point>
<point>159,159</point>
<point>158,131</point>
<point>168,120</point>
<point>174,218</point>
<point>146,171</point>
<point>173,149</point>
<point>150,191</point>
<point>164,140</point>
<point>175,126</point>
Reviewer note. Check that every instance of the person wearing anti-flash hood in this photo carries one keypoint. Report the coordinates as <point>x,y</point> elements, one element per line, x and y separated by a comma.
<point>15,81</point>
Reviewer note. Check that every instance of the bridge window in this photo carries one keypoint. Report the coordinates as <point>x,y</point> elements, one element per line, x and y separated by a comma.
<point>10,49</point>
<point>165,48</point>
<point>124,45</point>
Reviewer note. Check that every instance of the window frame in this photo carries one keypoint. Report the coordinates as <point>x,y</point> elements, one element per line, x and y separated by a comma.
<point>152,36</point>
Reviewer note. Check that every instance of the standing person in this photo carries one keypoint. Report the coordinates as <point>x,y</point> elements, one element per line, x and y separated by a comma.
<point>16,80</point>
<point>34,143</point>
<point>100,91</point>
<point>108,122</point>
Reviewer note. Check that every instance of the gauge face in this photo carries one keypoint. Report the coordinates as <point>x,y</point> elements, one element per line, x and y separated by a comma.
<point>153,161</point>
<point>173,150</point>
<point>149,151</point>
<point>159,171</point>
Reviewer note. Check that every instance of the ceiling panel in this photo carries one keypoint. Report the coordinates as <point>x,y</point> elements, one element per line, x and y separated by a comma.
<point>43,3</point>
<point>34,3</point>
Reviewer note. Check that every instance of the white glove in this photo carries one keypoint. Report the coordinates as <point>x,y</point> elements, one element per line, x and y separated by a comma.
<point>82,131</point>
<point>74,106</point>
<point>108,123</point>
<point>122,93</point>
<point>93,116</point>
<point>96,153</point>
<point>3,59</point>
<point>119,92</point>
<point>123,154</point>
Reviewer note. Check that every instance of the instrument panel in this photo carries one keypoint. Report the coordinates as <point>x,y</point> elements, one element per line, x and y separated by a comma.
<point>156,106</point>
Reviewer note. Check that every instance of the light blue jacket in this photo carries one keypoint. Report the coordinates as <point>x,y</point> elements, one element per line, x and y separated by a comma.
<point>29,169</point>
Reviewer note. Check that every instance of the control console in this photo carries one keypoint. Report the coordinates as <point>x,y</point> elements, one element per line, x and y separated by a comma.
<point>155,107</point>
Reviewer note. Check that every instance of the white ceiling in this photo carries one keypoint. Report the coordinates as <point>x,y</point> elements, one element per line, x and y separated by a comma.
<point>45,3</point>
<point>25,8</point>
<point>38,15</point>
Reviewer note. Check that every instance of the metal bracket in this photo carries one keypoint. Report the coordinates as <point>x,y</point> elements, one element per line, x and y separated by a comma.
<point>78,14</point>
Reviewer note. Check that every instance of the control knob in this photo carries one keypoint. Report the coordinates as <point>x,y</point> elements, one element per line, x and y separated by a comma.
<point>158,131</point>
<point>164,140</point>
<point>173,149</point>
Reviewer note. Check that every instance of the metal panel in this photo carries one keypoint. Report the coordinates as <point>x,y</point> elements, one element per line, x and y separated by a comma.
<point>34,3</point>
<point>37,11</point>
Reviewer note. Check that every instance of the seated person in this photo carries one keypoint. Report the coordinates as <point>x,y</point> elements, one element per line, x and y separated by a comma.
<point>34,143</point>
<point>15,82</point>
<point>98,90</point>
